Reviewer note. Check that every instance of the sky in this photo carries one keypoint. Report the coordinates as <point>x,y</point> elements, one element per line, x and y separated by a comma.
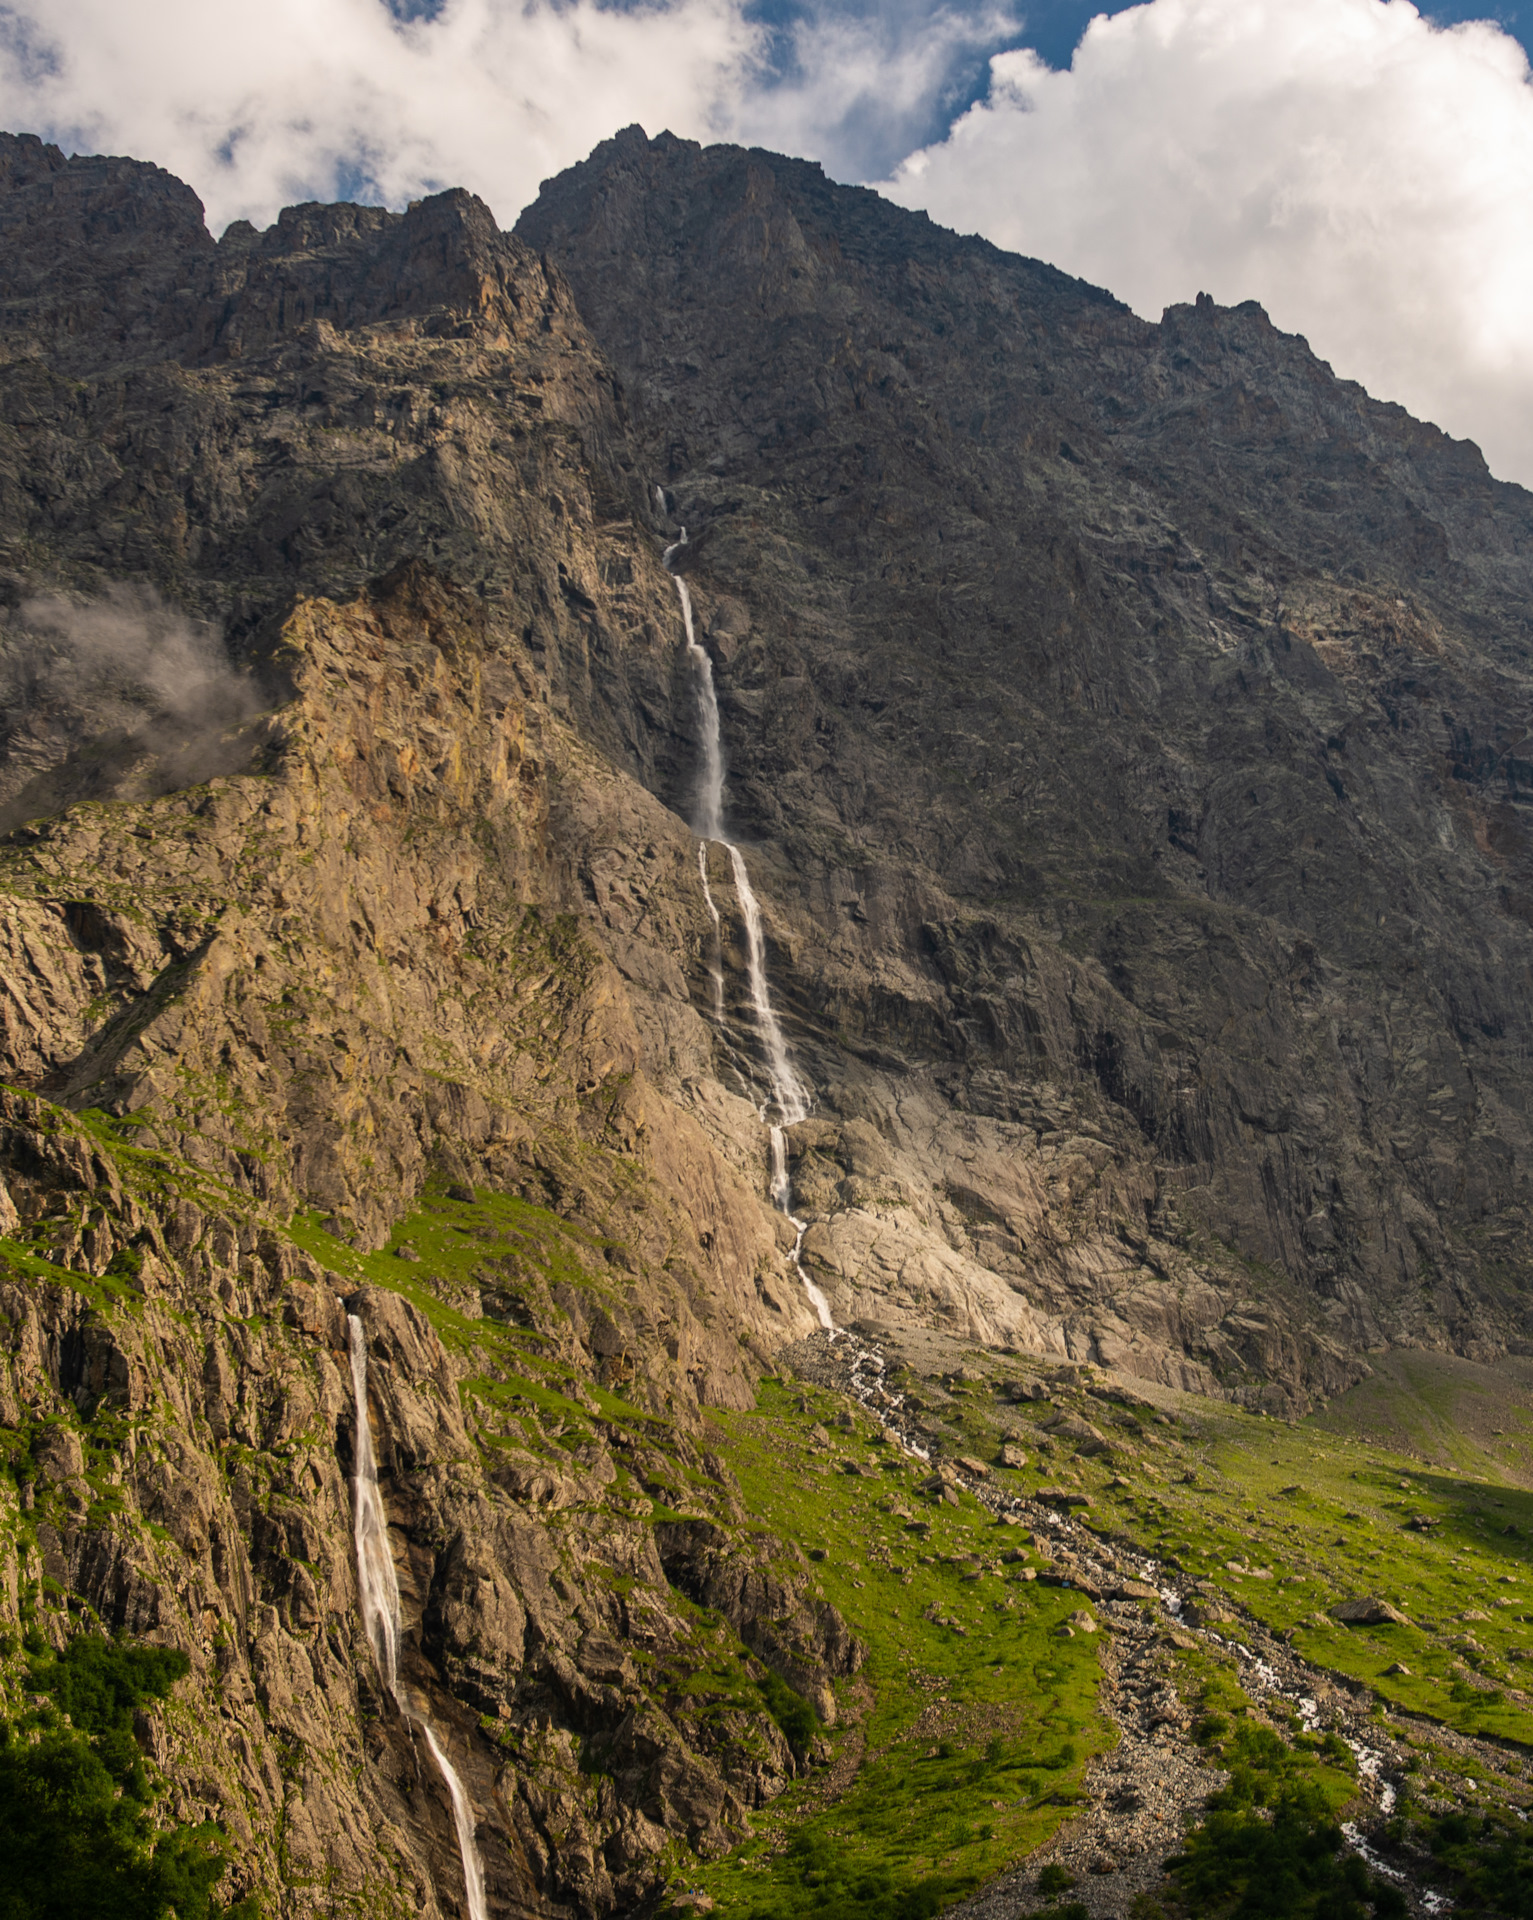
<point>1362,168</point>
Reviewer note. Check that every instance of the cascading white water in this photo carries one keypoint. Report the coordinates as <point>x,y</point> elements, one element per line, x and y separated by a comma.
<point>789,1099</point>
<point>379,1588</point>
<point>782,1196</point>
<point>463,1821</point>
<point>375,1563</point>
<point>788,1093</point>
<point>716,962</point>
<point>709,824</point>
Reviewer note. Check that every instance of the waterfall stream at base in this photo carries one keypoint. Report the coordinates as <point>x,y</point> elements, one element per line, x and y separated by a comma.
<point>788,1098</point>
<point>379,1587</point>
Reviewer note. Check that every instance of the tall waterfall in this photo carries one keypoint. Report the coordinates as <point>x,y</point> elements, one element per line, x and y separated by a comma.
<point>788,1100</point>
<point>379,1588</point>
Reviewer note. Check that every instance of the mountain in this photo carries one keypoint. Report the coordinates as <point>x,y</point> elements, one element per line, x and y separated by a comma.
<point>1123,826</point>
<point>1137,710</point>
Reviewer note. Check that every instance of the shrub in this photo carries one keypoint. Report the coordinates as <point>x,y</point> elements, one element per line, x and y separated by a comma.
<point>1491,1862</point>
<point>1245,1866</point>
<point>830,1884</point>
<point>74,1832</point>
<point>791,1711</point>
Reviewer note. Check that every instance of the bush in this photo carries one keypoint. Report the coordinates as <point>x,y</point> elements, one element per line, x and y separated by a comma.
<point>1245,1866</point>
<point>74,1832</point>
<point>1491,1862</point>
<point>830,1884</point>
<point>99,1683</point>
<point>790,1710</point>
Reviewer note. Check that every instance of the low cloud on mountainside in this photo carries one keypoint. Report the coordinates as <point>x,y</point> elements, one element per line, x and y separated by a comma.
<point>127,654</point>
<point>1365,175</point>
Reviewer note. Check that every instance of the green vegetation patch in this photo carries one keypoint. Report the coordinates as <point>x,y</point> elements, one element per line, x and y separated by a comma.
<point>1487,1862</point>
<point>519,1253</point>
<point>1293,1521</point>
<point>76,1836</point>
<point>975,1715</point>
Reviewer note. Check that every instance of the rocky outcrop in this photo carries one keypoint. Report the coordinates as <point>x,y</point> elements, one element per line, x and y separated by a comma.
<point>1130,712</point>
<point>180,1430</point>
<point>1121,735</point>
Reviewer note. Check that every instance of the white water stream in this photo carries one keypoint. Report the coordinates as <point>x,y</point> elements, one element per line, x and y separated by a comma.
<point>379,1588</point>
<point>788,1098</point>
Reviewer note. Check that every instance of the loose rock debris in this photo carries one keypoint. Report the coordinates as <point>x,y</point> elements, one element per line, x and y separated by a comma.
<point>1146,1792</point>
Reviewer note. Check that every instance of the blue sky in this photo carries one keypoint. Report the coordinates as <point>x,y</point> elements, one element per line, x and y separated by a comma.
<point>1053,27</point>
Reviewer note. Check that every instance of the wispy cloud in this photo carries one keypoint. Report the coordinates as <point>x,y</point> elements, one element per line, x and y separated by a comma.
<point>127,657</point>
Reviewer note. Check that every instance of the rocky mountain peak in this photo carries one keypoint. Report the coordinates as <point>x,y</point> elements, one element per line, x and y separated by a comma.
<point>1106,965</point>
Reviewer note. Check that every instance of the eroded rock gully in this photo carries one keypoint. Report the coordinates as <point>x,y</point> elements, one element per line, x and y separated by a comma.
<point>1122,732</point>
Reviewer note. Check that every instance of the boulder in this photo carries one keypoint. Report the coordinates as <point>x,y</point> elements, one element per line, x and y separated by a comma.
<point>1371,1612</point>
<point>1070,1426</point>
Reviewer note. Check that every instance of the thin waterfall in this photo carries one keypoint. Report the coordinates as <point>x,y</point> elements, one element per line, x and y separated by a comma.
<point>709,824</point>
<point>788,1100</point>
<point>716,962</point>
<point>379,1588</point>
<point>782,1195</point>
<point>788,1093</point>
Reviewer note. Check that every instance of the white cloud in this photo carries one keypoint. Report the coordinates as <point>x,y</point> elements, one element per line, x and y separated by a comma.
<point>1367,177</point>
<point>860,86</point>
<point>260,105</point>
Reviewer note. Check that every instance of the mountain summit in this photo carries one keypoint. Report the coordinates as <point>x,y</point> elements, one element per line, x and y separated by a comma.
<point>1102,980</point>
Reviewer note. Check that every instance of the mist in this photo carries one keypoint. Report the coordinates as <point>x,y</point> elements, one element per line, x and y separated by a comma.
<point>116,697</point>
<point>126,655</point>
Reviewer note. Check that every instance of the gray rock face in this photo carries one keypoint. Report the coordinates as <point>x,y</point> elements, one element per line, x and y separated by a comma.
<point>1135,712</point>
<point>1118,710</point>
<point>1123,725</point>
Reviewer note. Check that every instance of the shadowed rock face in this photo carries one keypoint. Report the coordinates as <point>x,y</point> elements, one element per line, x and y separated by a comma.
<point>1124,730</point>
<point>1135,711</point>
<point>1126,717</point>
<point>356,923</point>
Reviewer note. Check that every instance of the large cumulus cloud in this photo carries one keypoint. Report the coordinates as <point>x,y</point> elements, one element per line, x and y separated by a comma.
<point>1366,176</point>
<point>258,105</point>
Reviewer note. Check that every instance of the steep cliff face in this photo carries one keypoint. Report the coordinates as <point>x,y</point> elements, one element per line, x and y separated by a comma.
<point>1134,714</point>
<point>315,1010</point>
<point>305,936</point>
<point>1121,725</point>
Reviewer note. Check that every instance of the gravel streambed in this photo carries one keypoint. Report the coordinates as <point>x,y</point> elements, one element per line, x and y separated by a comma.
<point>1147,1790</point>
